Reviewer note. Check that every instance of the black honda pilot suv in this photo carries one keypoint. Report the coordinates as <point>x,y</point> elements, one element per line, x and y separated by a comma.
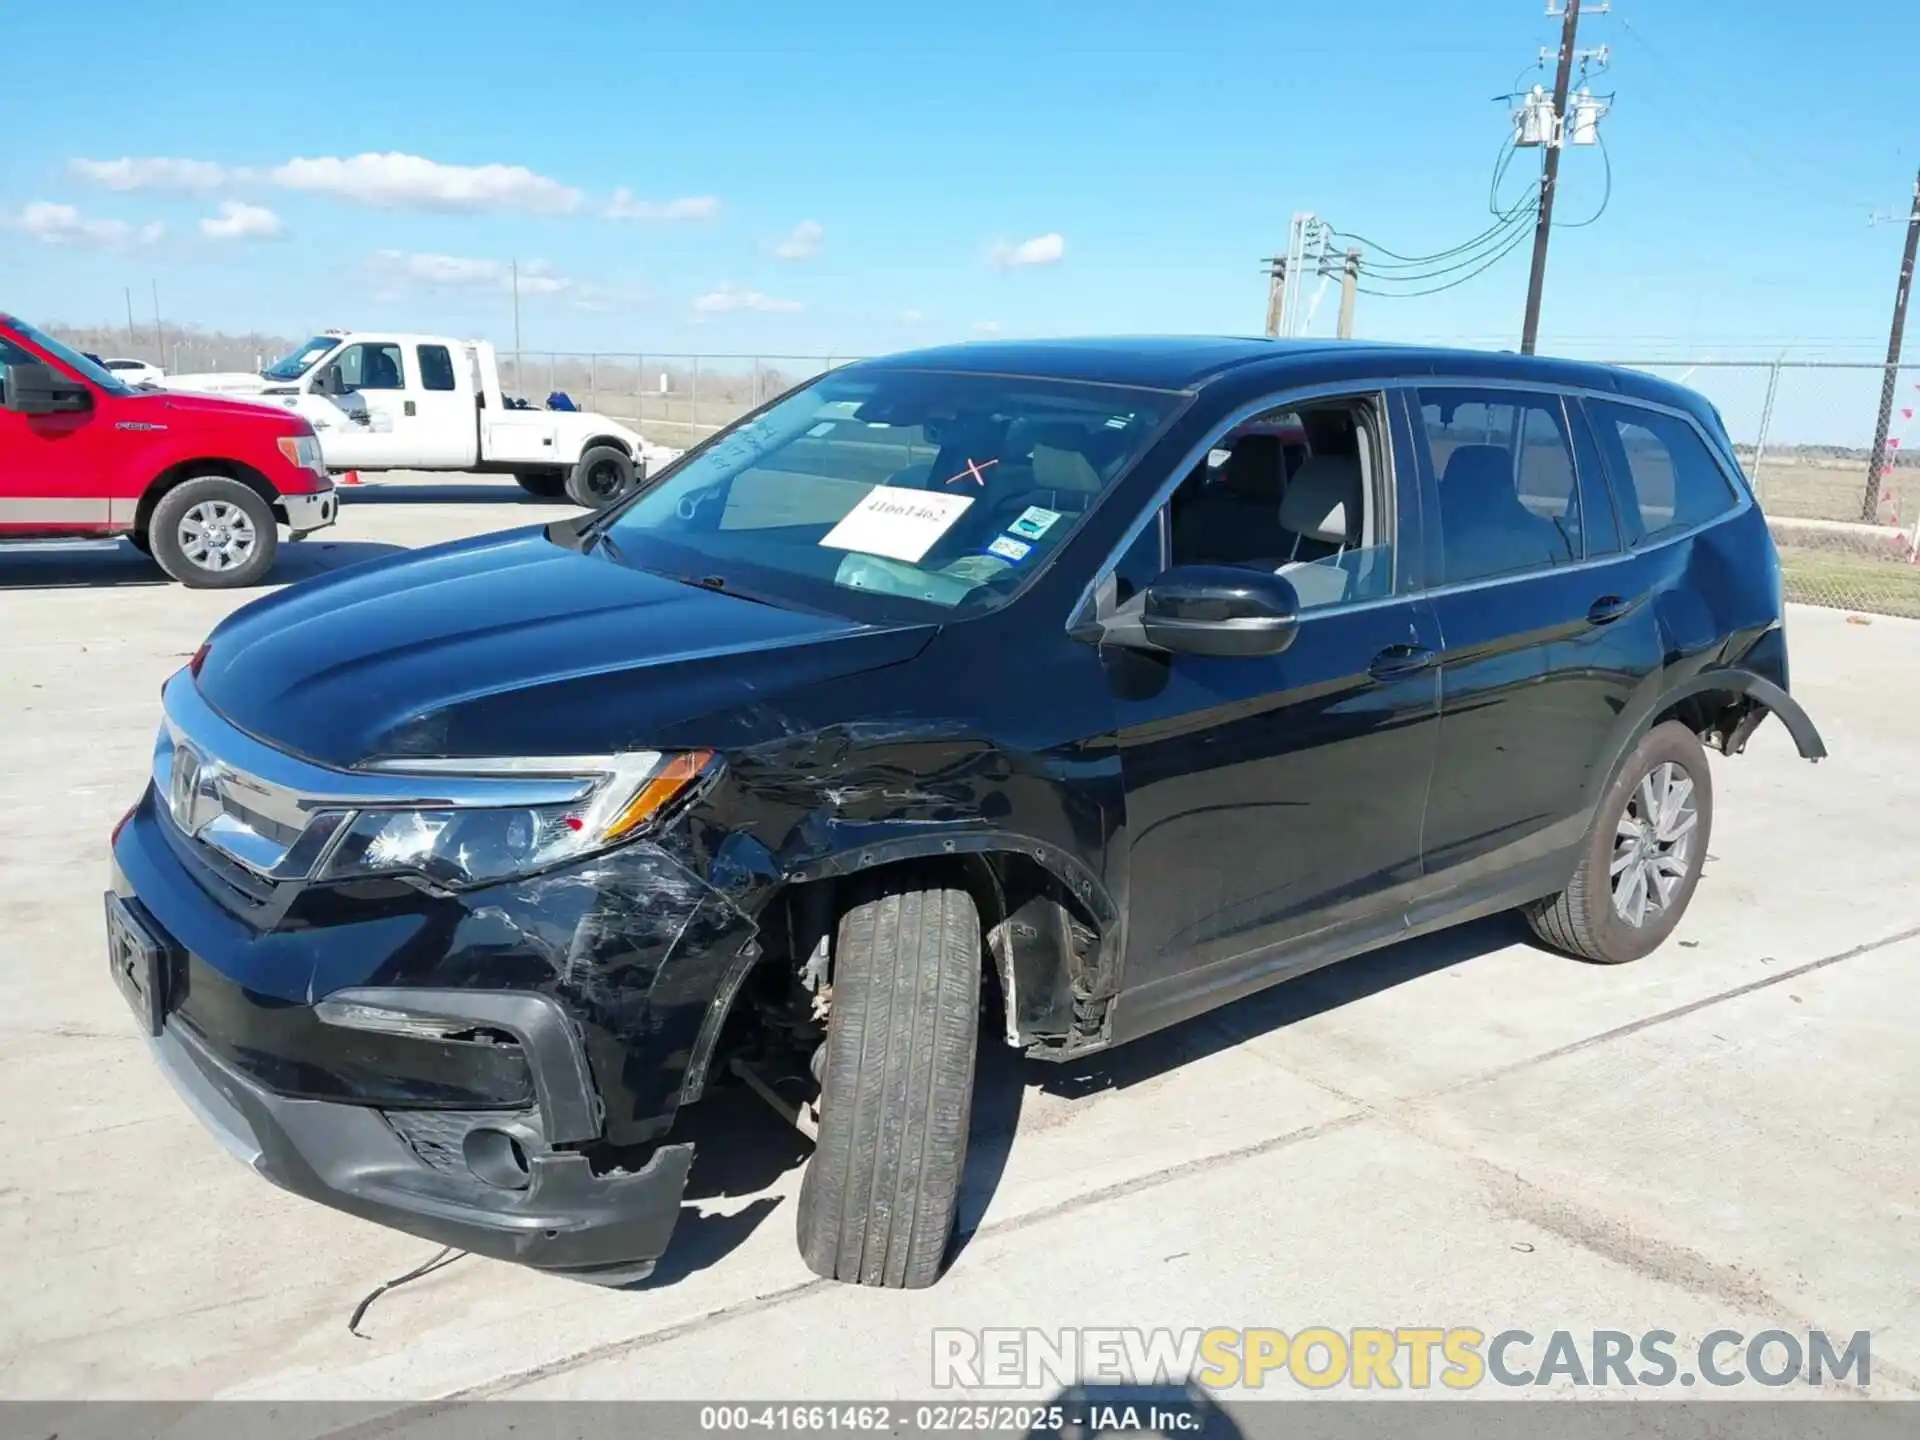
<point>1083,685</point>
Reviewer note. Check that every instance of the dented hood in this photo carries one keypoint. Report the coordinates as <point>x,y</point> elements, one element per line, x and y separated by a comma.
<point>511,644</point>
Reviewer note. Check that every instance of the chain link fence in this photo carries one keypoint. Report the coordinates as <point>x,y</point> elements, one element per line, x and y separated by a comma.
<point>1803,431</point>
<point>677,398</point>
<point>1802,428</point>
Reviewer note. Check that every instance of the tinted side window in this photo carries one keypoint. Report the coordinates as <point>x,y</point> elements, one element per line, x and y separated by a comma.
<point>1140,565</point>
<point>371,366</point>
<point>1505,472</point>
<point>1597,515</point>
<point>436,368</point>
<point>1665,475</point>
<point>11,354</point>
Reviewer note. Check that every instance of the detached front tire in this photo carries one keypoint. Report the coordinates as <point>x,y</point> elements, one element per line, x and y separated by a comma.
<point>212,533</point>
<point>604,473</point>
<point>878,1202</point>
<point>1642,861</point>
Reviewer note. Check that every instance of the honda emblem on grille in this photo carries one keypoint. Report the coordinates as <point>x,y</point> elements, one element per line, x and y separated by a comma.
<point>193,791</point>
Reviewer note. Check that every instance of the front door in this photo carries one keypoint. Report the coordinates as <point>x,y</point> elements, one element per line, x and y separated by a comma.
<point>53,474</point>
<point>1272,799</point>
<point>373,427</point>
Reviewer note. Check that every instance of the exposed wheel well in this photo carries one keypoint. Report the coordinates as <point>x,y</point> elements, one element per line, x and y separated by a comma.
<point>192,470</point>
<point>615,441</point>
<point>1041,951</point>
<point>1716,716</point>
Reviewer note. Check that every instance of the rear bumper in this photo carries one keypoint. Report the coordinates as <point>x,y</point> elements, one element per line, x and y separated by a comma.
<point>608,1228</point>
<point>307,513</point>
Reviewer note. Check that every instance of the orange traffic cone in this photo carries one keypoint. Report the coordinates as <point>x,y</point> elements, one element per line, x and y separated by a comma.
<point>352,477</point>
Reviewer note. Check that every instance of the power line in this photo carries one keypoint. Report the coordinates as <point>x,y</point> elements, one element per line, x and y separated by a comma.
<point>1513,243</point>
<point>1606,193</point>
<point>1494,243</point>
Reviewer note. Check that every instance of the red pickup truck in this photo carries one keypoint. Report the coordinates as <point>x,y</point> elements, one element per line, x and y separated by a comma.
<point>202,484</point>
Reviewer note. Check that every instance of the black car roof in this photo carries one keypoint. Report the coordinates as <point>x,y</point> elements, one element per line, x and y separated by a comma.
<point>1190,362</point>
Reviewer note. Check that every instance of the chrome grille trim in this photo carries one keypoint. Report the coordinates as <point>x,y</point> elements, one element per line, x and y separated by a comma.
<point>274,813</point>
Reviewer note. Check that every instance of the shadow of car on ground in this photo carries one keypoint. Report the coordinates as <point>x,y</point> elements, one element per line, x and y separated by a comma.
<point>70,564</point>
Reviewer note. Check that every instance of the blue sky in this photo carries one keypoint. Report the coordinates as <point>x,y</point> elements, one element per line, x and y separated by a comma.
<point>1142,157</point>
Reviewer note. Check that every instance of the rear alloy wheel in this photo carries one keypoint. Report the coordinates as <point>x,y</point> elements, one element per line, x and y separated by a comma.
<point>1643,857</point>
<point>212,533</point>
<point>547,484</point>
<point>878,1202</point>
<point>604,474</point>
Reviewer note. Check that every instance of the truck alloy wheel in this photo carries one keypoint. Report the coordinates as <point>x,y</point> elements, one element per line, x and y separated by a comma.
<point>604,474</point>
<point>213,533</point>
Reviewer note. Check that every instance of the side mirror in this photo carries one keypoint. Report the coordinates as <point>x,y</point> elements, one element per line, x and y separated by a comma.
<point>1219,610</point>
<point>36,389</point>
<point>329,381</point>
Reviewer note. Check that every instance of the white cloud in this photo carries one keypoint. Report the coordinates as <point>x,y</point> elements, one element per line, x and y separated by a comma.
<point>623,204</point>
<point>389,181</point>
<point>461,272</point>
<point>156,173</point>
<point>730,297</point>
<point>911,317</point>
<point>1048,249</point>
<point>64,225</point>
<point>238,220</point>
<point>395,181</point>
<point>986,327</point>
<point>802,243</point>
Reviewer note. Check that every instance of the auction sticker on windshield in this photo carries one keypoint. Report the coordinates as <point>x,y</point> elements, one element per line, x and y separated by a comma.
<point>899,524</point>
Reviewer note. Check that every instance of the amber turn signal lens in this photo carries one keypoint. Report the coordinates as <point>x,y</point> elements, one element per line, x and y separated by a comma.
<point>654,796</point>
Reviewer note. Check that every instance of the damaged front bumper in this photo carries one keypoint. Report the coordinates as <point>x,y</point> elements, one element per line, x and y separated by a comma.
<point>561,1217</point>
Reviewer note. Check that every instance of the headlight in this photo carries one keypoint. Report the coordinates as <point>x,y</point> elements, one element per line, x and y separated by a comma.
<point>303,451</point>
<point>458,846</point>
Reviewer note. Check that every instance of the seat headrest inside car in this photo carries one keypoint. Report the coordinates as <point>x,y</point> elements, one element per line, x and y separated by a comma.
<point>1323,501</point>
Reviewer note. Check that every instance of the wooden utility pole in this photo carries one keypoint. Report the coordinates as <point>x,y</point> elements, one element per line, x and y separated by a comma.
<point>1870,502</point>
<point>132,341</point>
<point>1549,177</point>
<point>1349,283</point>
<point>1276,296</point>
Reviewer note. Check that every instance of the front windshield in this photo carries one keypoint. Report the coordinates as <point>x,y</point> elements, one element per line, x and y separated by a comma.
<point>943,490</point>
<point>302,358</point>
<point>74,360</point>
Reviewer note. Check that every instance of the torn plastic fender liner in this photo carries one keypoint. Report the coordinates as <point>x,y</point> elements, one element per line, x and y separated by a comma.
<point>840,847</point>
<point>1773,700</point>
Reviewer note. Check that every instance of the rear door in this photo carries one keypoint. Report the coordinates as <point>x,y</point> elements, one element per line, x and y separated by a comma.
<point>1544,625</point>
<point>444,423</point>
<point>53,468</point>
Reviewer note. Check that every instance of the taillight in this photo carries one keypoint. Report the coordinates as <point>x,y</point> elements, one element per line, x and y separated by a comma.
<point>199,659</point>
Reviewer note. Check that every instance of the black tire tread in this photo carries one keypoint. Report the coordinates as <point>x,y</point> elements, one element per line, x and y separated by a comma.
<point>878,1201</point>
<point>163,528</point>
<point>1577,920</point>
<point>576,482</point>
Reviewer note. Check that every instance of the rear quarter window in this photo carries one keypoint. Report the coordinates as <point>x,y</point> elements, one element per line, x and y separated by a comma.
<point>1665,476</point>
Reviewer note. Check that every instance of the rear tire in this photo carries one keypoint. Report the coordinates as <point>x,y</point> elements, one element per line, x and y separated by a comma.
<point>604,474</point>
<point>547,484</point>
<point>212,533</point>
<point>1642,861</point>
<point>878,1202</point>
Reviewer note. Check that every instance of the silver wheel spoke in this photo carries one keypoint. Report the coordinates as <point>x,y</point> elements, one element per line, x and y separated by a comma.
<point>1652,852</point>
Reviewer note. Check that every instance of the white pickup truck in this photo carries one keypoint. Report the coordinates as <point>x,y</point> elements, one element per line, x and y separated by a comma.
<point>381,401</point>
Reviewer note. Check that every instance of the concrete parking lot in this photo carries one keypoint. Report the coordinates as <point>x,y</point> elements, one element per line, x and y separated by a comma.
<point>1464,1130</point>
